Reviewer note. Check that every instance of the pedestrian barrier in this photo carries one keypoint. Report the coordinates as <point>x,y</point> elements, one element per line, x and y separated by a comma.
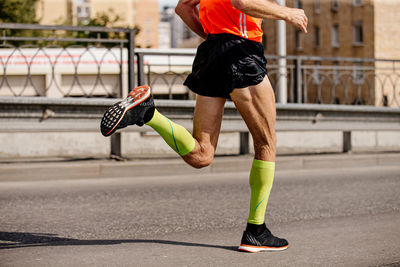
<point>68,61</point>
<point>40,114</point>
<point>63,79</point>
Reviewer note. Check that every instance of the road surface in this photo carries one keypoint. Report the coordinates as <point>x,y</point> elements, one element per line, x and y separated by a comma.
<point>331,217</point>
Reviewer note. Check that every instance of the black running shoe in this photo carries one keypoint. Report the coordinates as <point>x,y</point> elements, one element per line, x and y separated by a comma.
<point>138,108</point>
<point>264,242</point>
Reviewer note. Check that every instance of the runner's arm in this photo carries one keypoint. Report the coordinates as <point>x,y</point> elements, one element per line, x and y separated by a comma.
<point>187,10</point>
<point>268,9</point>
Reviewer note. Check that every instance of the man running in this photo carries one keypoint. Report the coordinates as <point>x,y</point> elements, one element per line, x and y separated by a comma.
<point>230,64</point>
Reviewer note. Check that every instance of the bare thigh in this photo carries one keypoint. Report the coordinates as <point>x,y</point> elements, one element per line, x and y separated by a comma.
<point>256,105</point>
<point>206,128</point>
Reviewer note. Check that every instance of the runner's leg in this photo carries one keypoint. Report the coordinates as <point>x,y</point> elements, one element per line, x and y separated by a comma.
<point>197,150</point>
<point>256,104</point>
<point>206,128</point>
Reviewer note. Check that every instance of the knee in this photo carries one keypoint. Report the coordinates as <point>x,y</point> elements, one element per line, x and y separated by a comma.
<point>203,157</point>
<point>202,162</point>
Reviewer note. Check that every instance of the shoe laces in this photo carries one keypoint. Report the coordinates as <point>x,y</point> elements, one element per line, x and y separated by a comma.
<point>266,233</point>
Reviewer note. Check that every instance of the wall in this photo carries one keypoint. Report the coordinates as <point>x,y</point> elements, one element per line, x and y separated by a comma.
<point>89,144</point>
<point>387,39</point>
<point>51,12</point>
<point>147,17</point>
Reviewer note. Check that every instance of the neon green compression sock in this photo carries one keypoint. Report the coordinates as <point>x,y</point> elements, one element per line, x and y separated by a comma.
<point>176,136</point>
<point>261,179</point>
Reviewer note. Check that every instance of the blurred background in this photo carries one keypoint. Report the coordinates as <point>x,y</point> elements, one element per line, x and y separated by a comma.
<point>62,62</point>
<point>71,197</point>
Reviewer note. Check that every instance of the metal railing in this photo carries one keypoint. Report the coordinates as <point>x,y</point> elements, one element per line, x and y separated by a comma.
<point>66,61</point>
<point>311,79</point>
<point>43,114</point>
<point>32,65</point>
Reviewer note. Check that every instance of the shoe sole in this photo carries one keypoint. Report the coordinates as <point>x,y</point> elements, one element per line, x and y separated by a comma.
<point>255,249</point>
<point>116,113</point>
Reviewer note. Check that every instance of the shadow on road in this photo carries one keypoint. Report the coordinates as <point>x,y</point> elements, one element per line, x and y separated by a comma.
<point>9,240</point>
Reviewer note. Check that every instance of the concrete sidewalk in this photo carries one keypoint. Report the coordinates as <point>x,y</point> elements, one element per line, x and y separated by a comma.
<point>50,169</point>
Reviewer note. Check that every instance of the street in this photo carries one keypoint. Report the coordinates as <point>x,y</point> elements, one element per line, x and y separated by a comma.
<point>331,217</point>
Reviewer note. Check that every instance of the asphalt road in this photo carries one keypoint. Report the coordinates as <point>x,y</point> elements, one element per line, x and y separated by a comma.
<point>331,217</point>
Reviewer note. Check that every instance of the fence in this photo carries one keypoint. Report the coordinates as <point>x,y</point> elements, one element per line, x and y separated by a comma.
<point>353,127</point>
<point>311,79</point>
<point>103,62</point>
<point>65,61</point>
<point>92,62</point>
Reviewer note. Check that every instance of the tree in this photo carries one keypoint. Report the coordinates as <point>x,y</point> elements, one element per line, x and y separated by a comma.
<point>18,11</point>
<point>103,19</point>
<point>23,11</point>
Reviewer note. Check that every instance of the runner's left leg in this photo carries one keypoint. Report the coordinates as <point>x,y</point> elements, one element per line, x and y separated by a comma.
<point>206,128</point>
<point>138,108</point>
<point>197,150</point>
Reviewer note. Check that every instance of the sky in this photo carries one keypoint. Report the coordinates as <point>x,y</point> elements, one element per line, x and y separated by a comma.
<point>167,2</point>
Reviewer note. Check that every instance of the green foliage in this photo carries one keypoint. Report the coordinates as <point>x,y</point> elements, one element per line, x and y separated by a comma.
<point>104,19</point>
<point>107,19</point>
<point>18,11</point>
<point>23,11</point>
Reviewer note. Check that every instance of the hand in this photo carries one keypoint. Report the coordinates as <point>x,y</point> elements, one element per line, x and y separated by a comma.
<point>298,18</point>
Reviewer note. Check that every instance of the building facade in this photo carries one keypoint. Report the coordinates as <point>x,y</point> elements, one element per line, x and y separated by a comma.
<point>342,28</point>
<point>346,28</point>
<point>141,13</point>
<point>180,35</point>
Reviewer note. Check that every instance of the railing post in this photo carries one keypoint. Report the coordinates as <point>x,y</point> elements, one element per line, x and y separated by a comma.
<point>346,141</point>
<point>116,145</point>
<point>281,51</point>
<point>131,59</point>
<point>120,93</point>
<point>244,143</point>
<point>140,69</point>
<point>116,138</point>
<point>299,82</point>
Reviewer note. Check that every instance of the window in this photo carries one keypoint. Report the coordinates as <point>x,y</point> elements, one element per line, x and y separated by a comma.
<point>317,7</point>
<point>335,35</point>
<point>82,11</point>
<point>358,33</point>
<point>335,6</point>
<point>357,2</point>
<point>317,37</point>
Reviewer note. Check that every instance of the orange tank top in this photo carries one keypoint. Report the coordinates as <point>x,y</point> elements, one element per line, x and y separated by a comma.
<point>219,16</point>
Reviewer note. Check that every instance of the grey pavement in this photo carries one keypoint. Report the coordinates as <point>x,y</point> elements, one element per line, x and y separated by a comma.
<point>62,168</point>
<point>333,214</point>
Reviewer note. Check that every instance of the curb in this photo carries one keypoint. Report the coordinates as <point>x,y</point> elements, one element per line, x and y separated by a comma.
<point>39,171</point>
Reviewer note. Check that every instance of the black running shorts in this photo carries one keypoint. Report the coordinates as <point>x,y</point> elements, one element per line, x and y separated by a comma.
<point>224,62</point>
